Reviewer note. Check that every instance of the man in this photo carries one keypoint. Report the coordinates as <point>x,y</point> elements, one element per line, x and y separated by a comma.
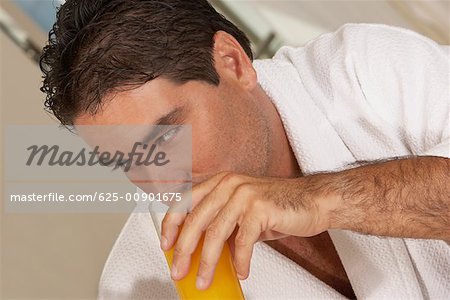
<point>349,132</point>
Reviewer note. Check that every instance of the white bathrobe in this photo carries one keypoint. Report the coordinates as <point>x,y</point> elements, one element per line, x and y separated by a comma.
<point>364,92</point>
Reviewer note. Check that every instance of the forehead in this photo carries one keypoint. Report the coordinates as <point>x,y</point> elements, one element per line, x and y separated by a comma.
<point>142,105</point>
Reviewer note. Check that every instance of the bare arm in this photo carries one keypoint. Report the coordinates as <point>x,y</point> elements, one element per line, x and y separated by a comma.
<point>402,198</point>
<point>405,198</point>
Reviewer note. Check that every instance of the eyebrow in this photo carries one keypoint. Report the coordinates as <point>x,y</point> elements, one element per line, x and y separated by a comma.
<point>174,117</point>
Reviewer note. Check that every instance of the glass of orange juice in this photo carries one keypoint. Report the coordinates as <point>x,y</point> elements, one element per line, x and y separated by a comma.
<point>225,284</point>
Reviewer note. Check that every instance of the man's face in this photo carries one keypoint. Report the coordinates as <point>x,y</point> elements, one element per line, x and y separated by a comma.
<point>229,131</point>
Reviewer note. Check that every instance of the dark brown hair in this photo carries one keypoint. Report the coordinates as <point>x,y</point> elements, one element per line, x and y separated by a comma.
<point>99,46</point>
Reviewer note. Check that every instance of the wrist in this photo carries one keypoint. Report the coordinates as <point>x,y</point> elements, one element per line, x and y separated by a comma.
<point>327,200</point>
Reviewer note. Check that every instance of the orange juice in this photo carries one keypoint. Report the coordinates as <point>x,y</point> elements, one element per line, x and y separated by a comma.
<point>225,284</point>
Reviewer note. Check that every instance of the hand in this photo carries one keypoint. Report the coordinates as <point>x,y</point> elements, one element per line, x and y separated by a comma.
<point>258,208</point>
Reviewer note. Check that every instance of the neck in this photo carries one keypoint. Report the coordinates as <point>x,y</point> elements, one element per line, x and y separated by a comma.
<point>282,159</point>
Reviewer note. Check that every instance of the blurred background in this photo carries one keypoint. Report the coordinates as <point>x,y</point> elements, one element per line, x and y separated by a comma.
<point>60,256</point>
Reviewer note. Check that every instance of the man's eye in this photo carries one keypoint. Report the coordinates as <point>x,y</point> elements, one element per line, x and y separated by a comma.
<point>168,135</point>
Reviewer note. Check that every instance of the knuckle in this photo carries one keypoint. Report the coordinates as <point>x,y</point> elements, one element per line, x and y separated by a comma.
<point>224,173</point>
<point>240,240</point>
<point>230,179</point>
<point>166,222</point>
<point>222,217</point>
<point>245,190</point>
<point>204,265</point>
<point>212,232</point>
<point>179,251</point>
<point>256,205</point>
<point>190,219</point>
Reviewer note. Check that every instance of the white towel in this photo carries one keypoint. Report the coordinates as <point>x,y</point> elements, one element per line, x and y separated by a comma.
<point>137,269</point>
<point>365,92</point>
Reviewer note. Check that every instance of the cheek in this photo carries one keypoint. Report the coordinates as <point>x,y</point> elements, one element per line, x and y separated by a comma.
<point>213,136</point>
<point>206,154</point>
<point>212,149</point>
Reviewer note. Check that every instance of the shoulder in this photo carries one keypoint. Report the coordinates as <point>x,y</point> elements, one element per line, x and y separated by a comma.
<point>377,32</point>
<point>362,41</point>
<point>369,40</point>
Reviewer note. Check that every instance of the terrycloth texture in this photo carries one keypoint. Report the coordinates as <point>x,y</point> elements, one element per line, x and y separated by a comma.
<point>368,92</point>
<point>137,269</point>
<point>365,92</point>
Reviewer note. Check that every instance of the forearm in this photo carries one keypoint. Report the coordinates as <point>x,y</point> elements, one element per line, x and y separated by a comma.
<point>405,198</point>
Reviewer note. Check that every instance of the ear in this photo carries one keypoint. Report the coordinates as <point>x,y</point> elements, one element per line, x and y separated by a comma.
<point>232,62</point>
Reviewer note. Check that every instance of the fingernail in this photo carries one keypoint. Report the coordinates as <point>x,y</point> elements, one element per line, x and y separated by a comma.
<point>164,243</point>
<point>200,283</point>
<point>174,272</point>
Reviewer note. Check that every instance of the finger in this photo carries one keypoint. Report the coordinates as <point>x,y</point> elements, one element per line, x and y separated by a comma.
<point>216,235</point>
<point>174,217</point>
<point>185,245</point>
<point>177,213</point>
<point>198,220</point>
<point>169,229</point>
<point>202,189</point>
<point>231,241</point>
<point>180,270</point>
<point>177,219</point>
<point>247,235</point>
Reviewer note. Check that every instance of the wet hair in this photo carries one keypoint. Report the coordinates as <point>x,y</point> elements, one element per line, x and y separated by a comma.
<point>101,46</point>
